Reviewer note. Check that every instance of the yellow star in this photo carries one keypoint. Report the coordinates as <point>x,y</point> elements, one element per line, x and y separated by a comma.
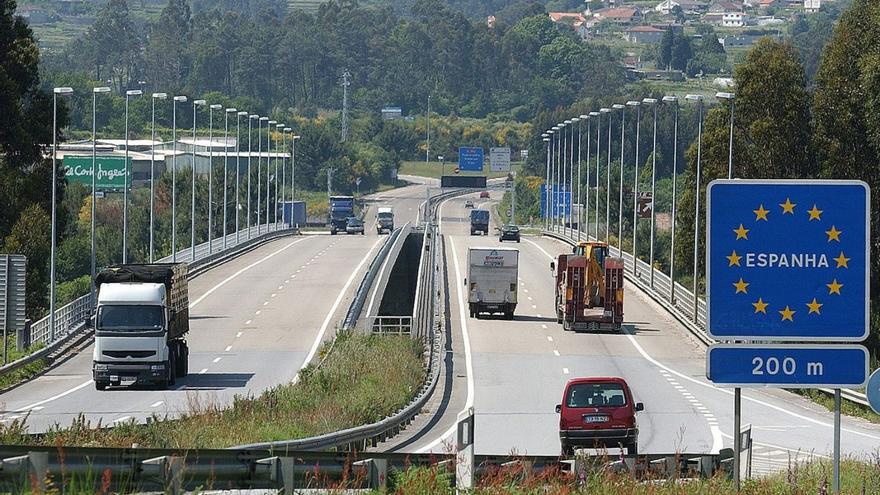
<point>787,314</point>
<point>788,206</point>
<point>834,287</point>
<point>760,306</point>
<point>814,306</point>
<point>761,213</point>
<point>841,260</point>
<point>733,259</point>
<point>833,234</point>
<point>741,232</point>
<point>741,286</point>
<point>815,213</point>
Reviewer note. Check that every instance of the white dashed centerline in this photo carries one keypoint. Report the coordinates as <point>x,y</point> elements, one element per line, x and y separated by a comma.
<point>217,359</point>
<point>157,403</point>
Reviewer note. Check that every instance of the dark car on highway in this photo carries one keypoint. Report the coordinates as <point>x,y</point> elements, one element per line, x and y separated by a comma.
<point>354,225</point>
<point>509,233</point>
<point>598,412</point>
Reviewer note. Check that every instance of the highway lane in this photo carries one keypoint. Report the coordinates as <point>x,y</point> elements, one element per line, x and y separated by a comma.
<point>520,366</point>
<point>255,321</point>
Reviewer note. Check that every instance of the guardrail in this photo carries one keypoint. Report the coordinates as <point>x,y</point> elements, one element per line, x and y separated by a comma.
<point>133,470</point>
<point>675,298</point>
<point>70,319</point>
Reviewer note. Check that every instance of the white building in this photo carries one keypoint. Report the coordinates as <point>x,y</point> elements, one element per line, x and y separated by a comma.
<point>812,5</point>
<point>734,19</point>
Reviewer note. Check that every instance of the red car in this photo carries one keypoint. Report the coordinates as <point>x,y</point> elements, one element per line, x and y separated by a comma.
<point>484,194</point>
<point>598,412</point>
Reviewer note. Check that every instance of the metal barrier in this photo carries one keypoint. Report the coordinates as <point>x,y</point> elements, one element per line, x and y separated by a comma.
<point>357,305</point>
<point>679,302</point>
<point>391,325</point>
<point>70,319</point>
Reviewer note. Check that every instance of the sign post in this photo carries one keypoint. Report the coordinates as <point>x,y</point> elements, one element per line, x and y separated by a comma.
<point>788,261</point>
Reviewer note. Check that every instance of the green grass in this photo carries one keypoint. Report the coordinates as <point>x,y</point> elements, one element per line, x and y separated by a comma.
<point>434,170</point>
<point>361,381</point>
<point>846,407</point>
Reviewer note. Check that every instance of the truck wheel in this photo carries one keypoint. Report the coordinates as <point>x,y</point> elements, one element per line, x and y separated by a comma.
<point>101,386</point>
<point>182,364</point>
<point>632,448</point>
<point>172,372</point>
<point>567,450</point>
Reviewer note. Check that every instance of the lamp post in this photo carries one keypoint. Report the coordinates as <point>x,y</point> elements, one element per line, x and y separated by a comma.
<point>598,158</point>
<point>638,106</point>
<point>226,172</point>
<point>730,97</point>
<point>428,133</point>
<point>279,190</point>
<point>268,164</point>
<point>192,213</point>
<point>293,167</point>
<point>238,117</point>
<point>211,175</point>
<point>156,96</point>
<point>93,252</point>
<point>674,101</point>
<point>551,213</point>
<point>560,166</point>
<point>174,176</point>
<point>622,109</point>
<point>574,120</point>
<point>566,164</point>
<point>62,91</point>
<point>653,101</point>
<point>584,118</point>
<point>130,92</point>
<point>259,169</point>
<point>289,131</point>
<point>608,179</point>
<point>251,118</point>
<point>548,138</point>
<point>585,215</point>
<point>699,100</point>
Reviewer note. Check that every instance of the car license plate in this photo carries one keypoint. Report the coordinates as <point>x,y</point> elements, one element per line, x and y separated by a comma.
<point>596,419</point>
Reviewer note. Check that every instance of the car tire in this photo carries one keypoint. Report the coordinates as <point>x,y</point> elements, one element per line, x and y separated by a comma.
<point>517,240</point>
<point>332,232</point>
<point>101,386</point>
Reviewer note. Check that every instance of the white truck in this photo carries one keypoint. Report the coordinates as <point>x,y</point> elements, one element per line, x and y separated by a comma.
<point>384,219</point>
<point>492,280</point>
<point>141,321</point>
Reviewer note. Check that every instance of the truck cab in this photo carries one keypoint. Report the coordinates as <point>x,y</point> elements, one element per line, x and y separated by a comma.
<point>341,208</point>
<point>480,221</point>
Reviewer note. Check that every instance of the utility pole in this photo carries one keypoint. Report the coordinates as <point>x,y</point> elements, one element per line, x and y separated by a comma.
<point>428,136</point>
<point>329,182</point>
<point>345,84</point>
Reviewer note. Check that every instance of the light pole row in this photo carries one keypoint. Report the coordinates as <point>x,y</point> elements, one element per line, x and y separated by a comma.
<point>66,91</point>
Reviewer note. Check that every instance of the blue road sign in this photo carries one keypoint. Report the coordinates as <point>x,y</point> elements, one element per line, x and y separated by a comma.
<point>470,159</point>
<point>560,203</point>
<point>787,365</point>
<point>873,391</point>
<point>787,260</point>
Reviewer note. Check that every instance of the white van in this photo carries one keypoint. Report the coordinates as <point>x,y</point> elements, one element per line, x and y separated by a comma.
<point>492,280</point>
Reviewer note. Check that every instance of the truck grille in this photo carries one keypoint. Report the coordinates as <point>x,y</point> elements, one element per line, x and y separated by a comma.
<point>129,354</point>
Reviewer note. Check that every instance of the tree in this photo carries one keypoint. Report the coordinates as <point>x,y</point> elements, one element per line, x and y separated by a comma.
<point>847,91</point>
<point>30,237</point>
<point>664,50</point>
<point>112,41</point>
<point>681,52</point>
<point>168,50</point>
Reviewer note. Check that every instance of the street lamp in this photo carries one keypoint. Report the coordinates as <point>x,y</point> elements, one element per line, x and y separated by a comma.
<point>729,97</point>
<point>192,214</point>
<point>93,252</point>
<point>211,109</point>
<point>584,118</point>
<point>674,101</point>
<point>259,164</point>
<point>289,131</point>
<point>598,117</point>
<point>251,118</point>
<point>226,172</point>
<point>574,120</point>
<point>174,176</point>
<point>279,128</point>
<point>560,165</point>
<point>622,109</point>
<point>554,185</point>
<point>63,91</point>
<point>238,117</point>
<point>549,184</point>
<point>130,92</point>
<point>268,164</point>
<point>638,106</point>
<point>608,177</point>
<point>585,205</point>
<point>293,167</point>
<point>156,96</point>
<point>699,100</point>
<point>652,101</point>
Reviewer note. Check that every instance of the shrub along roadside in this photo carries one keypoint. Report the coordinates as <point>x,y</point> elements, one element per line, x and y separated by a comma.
<point>361,381</point>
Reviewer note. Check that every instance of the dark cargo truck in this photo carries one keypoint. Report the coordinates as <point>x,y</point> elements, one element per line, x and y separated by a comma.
<point>480,221</point>
<point>341,208</point>
<point>141,322</point>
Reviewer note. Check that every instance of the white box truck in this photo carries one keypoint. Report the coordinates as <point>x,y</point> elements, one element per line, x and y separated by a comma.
<point>141,321</point>
<point>384,219</point>
<point>492,280</point>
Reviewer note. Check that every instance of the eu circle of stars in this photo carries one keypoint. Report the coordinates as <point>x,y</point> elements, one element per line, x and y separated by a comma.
<point>787,260</point>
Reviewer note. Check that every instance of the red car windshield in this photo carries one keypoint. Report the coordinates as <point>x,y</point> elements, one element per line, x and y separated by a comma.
<point>595,395</point>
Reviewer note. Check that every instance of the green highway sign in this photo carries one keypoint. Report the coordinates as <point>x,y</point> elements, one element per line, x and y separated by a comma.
<point>111,170</point>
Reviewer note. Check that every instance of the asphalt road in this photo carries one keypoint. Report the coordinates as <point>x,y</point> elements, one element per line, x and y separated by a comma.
<point>254,322</point>
<point>513,373</point>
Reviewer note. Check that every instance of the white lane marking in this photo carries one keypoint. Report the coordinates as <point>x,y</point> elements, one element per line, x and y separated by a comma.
<point>320,337</point>
<point>236,274</point>
<point>287,281</point>
<point>280,287</point>
<point>265,303</point>
<point>538,315</point>
<point>468,363</point>
<point>157,403</point>
<point>228,348</point>
<point>549,339</point>
<point>238,335</point>
<point>217,359</point>
<point>544,326</point>
<point>247,323</point>
<point>54,397</point>
<point>258,312</point>
<point>530,298</point>
<point>38,408</point>
<point>526,290</point>
<point>555,352</point>
<point>534,307</point>
<point>773,446</point>
<point>13,417</point>
<point>203,371</point>
<point>564,371</point>
<point>274,294</point>
<point>120,420</point>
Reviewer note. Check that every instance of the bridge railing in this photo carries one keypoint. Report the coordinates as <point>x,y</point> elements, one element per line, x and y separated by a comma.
<point>680,302</point>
